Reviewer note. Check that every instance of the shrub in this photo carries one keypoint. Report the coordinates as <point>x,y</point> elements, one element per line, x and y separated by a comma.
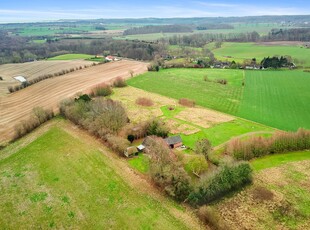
<point>102,90</point>
<point>226,178</point>
<point>197,165</point>
<point>203,147</point>
<point>221,81</point>
<point>279,142</point>
<point>11,89</point>
<point>38,117</point>
<point>187,102</point>
<point>143,101</point>
<point>130,138</point>
<point>119,82</point>
<point>157,127</point>
<point>117,144</point>
<point>210,216</point>
<point>1,78</point>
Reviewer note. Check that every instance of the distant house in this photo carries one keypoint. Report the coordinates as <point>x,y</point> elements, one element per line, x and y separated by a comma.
<point>131,151</point>
<point>174,141</point>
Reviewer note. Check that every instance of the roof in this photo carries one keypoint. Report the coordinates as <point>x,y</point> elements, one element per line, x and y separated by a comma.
<point>132,150</point>
<point>141,147</point>
<point>173,140</point>
<point>20,79</point>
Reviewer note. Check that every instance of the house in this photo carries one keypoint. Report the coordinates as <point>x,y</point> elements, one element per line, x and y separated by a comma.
<point>109,58</point>
<point>174,141</point>
<point>131,151</point>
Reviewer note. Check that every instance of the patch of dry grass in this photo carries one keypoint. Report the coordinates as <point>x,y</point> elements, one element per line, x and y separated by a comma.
<point>176,127</point>
<point>203,117</point>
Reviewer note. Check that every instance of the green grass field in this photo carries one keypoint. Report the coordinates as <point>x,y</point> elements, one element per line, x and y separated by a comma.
<point>189,83</point>
<point>241,51</point>
<point>66,57</point>
<point>279,99</point>
<point>279,159</point>
<point>59,181</point>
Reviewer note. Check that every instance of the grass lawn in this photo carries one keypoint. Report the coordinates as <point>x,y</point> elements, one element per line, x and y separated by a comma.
<point>277,98</point>
<point>279,159</point>
<point>59,181</point>
<point>66,57</point>
<point>241,51</point>
<point>140,163</point>
<point>189,83</point>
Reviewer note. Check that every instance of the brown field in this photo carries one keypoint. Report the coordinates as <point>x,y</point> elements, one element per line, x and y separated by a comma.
<point>31,70</point>
<point>177,127</point>
<point>18,106</point>
<point>203,117</point>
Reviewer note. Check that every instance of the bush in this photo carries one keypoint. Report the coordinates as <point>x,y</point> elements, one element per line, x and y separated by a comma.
<point>229,177</point>
<point>102,90</point>
<point>157,127</point>
<point>130,138</point>
<point>203,147</point>
<point>187,102</point>
<point>221,81</point>
<point>117,144</point>
<point>279,142</point>
<point>210,216</point>
<point>38,117</point>
<point>119,82</point>
<point>11,89</point>
<point>143,101</point>
<point>1,78</point>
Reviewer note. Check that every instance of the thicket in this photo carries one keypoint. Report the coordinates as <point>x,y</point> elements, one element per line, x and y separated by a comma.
<point>157,127</point>
<point>166,171</point>
<point>100,117</point>
<point>101,90</point>
<point>143,101</point>
<point>119,82</point>
<point>259,146</point>
<point>38,117</point>
<point>158,29</point>
<point>187,102</point>
<point>227,178</point>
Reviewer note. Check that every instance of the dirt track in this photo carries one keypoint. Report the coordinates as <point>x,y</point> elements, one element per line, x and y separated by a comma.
<point>48,93</point>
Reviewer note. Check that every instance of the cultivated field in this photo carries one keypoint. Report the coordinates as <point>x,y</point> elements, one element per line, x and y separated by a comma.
<point>277,99</point>
<point>17,106</point>
<point>31,70</point>
<point>278,199</point>
<point>241,51</point>
<point>63,178</point>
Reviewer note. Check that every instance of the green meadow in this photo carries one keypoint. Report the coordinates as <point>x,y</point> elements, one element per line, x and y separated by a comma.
<point>67,57</point>
<point>278,99</point>
<point>60,181</point>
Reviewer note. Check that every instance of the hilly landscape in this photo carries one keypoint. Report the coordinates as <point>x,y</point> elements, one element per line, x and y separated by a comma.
<point>189,115</point>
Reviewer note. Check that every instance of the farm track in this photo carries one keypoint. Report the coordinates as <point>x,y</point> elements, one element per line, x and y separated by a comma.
<point>48,93</point>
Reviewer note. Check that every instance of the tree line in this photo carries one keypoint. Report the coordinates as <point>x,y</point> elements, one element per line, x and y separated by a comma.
<point>158,29</point>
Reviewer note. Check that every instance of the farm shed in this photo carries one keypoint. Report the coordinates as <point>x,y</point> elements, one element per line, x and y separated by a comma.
<point>131,151</point>
<point>21,79</point>
<point>174,141</point>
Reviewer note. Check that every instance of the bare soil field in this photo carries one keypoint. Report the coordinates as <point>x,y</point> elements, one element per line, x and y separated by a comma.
<point>47,94</point>
<point>31,70</point>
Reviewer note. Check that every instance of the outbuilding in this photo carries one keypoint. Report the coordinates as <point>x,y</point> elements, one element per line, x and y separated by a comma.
<point>174,141</point>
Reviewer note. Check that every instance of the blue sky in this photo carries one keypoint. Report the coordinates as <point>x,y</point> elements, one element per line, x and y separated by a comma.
<point>38,10</point>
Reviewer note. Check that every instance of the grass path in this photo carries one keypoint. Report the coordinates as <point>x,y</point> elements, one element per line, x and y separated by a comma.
<point>279,159</point>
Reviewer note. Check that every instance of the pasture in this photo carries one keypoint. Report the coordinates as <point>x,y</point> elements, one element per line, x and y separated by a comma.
<point>59,181</point>
<point>277,98</point>
<point>241,51</point>
<point>48,93</point>
<point>31,70</point>
<point>189,83</point>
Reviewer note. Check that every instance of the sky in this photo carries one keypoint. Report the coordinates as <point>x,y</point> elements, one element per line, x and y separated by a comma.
<point>46,10</point>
